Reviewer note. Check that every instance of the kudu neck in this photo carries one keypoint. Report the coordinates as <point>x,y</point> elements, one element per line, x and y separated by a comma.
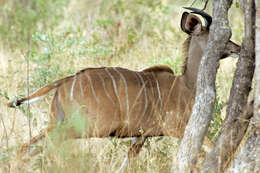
<point>192,67</point>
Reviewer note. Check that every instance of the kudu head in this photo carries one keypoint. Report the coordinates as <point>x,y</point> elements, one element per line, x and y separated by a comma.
<point>196,44</point>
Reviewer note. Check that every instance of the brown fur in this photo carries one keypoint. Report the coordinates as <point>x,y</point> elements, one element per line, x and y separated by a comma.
<point>159,68</point>
<point>185,51</point>
<point>123,103</point>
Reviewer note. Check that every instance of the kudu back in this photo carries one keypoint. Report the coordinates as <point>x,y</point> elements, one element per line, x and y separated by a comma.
<point>124,103</point>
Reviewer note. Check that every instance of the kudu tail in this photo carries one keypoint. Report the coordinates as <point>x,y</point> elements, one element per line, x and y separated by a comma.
<point>37,95</point>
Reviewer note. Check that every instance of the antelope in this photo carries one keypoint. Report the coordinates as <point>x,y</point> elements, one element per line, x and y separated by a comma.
<point>121,103</point>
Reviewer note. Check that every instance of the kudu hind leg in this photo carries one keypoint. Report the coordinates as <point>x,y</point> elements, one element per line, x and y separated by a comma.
<point>56,115</point>
<point>25,147</point>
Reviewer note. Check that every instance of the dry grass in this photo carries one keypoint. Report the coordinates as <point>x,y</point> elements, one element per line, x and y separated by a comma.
<point>132,34</point>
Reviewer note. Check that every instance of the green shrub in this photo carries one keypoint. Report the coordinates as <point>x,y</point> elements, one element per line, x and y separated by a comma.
<point>216,122</point>
<point>20,19</point>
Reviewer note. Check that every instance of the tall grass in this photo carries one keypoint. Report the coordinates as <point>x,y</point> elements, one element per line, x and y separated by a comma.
<point>58,38</point>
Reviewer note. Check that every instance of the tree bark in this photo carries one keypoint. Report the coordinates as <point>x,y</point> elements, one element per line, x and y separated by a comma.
<point>198,124</point>
<point>257,69</point>
<point>248,158</point>
<point>236,123</point>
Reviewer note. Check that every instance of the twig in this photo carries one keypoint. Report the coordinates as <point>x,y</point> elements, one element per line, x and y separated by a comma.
<point>205,5</point>
<point>193,3</point>
<point>7,142</point>
<point>28,93</point>
<point>5,131</point>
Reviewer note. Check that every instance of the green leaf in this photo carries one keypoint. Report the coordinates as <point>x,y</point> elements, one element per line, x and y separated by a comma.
<point>6,95</point>
<point>237,4</point>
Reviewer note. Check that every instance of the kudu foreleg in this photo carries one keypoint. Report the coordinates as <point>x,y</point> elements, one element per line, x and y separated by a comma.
<point>135,148</point>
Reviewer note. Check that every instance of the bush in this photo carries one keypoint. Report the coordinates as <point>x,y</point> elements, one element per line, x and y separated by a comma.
<point>20,19</point>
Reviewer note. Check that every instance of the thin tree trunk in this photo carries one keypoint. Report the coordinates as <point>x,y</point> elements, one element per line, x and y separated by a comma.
<point>257,69</point>
<point>236,123</point>
<point>248,158</point>
<point>196,129</point>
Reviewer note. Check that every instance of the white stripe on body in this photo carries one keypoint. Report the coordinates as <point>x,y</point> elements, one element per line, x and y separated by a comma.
<point>145,96</point>
<point>126,91</point>
<point>105,89</point>
<point>159,92</point>
<point>72,86</point>
<point>80,85</point>
<point>153,98</point>
<point>137,95</point>
<point>151,83</point>
<point>92,88</point>
<point>115,87</point>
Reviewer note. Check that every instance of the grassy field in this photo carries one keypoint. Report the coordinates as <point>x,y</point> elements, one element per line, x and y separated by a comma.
<point>44,40</point>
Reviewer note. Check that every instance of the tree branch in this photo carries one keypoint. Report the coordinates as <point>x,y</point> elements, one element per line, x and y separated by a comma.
<point>236,123</point>
<point>198,124</point>
<point>205,5</point>
<point>248,158</point>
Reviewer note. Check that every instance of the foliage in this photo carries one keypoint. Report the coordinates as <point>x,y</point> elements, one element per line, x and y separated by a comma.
<point>118,29</point>
<point>20,19</point>
<point>216,122</point>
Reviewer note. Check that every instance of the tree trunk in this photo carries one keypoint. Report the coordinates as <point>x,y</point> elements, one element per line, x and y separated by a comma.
<point>236,123</point>
<point>196,129</point>
<point>248,158</point>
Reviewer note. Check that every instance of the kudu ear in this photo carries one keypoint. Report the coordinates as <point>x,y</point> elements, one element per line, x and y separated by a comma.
<point>190,23</point>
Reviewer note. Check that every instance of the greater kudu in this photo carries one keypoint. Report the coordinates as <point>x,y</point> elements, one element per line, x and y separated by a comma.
<point>124,103</point>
